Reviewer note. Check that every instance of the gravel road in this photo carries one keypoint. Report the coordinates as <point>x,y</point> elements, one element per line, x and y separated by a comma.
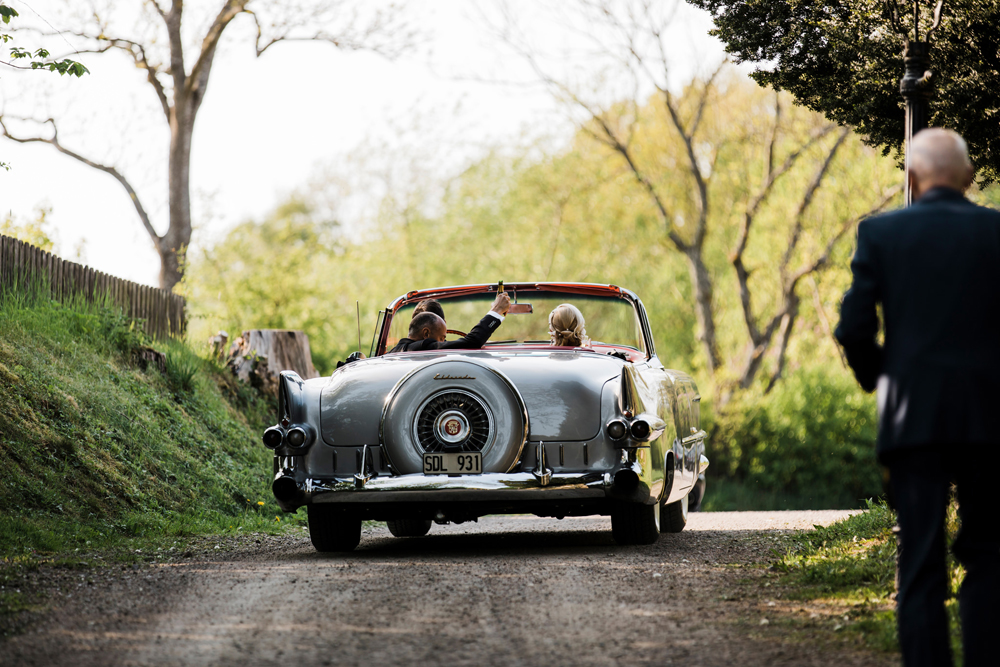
<point>503,591</point>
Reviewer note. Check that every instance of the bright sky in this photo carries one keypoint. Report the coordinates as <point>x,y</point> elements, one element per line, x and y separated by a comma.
<point>268,125</point>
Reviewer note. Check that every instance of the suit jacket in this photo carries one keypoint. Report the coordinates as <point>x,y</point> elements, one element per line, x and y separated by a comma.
<point>473,341</point>
<point>935,270</point>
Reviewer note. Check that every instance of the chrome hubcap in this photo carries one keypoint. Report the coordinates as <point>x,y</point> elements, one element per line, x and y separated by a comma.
<point>451,426</point>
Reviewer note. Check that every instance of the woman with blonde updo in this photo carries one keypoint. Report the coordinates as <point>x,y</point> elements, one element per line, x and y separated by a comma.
<point>566,326</point>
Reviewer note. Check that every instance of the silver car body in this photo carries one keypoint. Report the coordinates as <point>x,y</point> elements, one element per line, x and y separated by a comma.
<point>548,418</point>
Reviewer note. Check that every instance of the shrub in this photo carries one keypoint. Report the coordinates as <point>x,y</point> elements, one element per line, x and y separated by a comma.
<point>182,366</point>
<point>814,434</point>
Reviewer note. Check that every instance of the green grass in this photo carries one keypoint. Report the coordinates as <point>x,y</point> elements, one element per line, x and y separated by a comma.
<point>851,565</point>
<point>98,454</point>
<point>728,495</point>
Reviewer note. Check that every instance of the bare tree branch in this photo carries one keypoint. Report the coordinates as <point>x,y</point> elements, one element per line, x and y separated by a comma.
<point>821,261</point>
<point>750,213</point>
<point>54,142</point>
<point>769,166</point>
<point>611,139</point>
<point>134,49</point>
<point>807,197</point>
<point>173,21</point>
<point>784,336</point>
<point>703,98</point>
<point>197,81</point>
<point>824,320</point>
<point>785,317</point>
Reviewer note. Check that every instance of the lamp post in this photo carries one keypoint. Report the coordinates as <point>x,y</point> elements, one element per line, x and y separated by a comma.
<point>915,86</point>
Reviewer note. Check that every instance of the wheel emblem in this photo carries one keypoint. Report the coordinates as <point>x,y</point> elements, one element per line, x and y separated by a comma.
<point>452,426</point>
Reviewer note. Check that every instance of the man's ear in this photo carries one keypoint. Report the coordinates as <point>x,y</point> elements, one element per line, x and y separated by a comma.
<point>970,175</point>
<point>915,191</point>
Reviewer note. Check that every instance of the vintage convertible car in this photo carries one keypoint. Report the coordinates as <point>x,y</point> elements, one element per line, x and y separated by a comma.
<point>519,426</point>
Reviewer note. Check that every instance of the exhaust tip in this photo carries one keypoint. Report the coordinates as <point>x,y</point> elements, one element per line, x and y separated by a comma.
<point>626,481</point>
<point>285,489</point>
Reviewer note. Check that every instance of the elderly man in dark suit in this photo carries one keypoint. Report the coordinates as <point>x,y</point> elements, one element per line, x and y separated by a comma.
<point>935,269</point>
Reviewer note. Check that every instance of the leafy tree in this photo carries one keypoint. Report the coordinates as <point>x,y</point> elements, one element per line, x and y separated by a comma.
<point>18,53</point>
<point>36,232</point>
<point>843,58</point>
<point>22,58</point>
<point>177,64</point>
<point>577,212</point>
<point>713,158</point>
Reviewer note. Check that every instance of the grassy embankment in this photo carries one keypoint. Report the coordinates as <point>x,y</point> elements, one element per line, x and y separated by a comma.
<point>100,459</point>
<point>845,572</point>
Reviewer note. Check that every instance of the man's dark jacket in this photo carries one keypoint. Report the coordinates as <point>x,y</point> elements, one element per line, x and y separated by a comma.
<point>473,341</point>
<point>935,269</point>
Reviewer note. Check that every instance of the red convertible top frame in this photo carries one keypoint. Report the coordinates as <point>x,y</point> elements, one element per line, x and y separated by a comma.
<point>590,289</point>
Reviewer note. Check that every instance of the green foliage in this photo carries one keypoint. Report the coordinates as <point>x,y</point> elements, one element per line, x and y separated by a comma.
<point>64,66</point>
<point>94,450</point>
<point>844,59</point>
<point>575,213</point>
<point>853,563</point>
<point>37,232</point>
<point>565,213</point>
<point>182,366</point>
<point>813,436</point>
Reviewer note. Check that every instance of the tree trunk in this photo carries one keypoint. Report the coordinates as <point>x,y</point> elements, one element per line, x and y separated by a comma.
<point>259,356</point>
<point>702,283</point>
<point>174,243</point>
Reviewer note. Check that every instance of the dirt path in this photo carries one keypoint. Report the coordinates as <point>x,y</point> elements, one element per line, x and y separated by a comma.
<point>505,591</point>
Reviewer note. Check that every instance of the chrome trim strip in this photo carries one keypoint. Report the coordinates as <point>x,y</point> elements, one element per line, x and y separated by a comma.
<point>440,488</point>
<point>361,477</point>
<point>693,438</point>
<point>541,473</point>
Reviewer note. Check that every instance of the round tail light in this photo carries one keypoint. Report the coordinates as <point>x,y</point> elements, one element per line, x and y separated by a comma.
<point>296,437</point>
<point>273,437</point>
<point>616,430</point>
<point>640,429</point>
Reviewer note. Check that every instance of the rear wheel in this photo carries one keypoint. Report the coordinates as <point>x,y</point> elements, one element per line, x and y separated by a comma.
<point>409,527</point>
<point>673,517</point>
<point>633,523</point>
<point>332,529</point>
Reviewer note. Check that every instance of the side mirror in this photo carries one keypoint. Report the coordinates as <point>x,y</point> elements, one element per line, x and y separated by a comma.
<point>352,357</point>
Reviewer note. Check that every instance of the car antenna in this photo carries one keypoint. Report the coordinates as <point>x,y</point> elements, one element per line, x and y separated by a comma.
<point>358,304</point>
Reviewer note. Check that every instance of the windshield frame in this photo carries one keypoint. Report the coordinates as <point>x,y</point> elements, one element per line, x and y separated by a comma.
<point>589,289</point>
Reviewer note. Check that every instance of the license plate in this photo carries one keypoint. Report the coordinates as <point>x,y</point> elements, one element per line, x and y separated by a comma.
<point>453,464</point>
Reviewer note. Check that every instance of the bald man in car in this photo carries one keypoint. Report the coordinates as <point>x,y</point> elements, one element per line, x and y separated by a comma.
<point>935,270</point>
<point>428,330</point>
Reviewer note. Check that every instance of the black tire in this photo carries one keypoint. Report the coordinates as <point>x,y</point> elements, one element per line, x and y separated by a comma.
<point>697,495</point>
<point>332,529</point>
<point>409,527</point>
<point>633,523</point>
<point>673,517</point>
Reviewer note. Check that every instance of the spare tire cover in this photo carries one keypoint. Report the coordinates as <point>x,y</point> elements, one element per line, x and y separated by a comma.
<point>454,405</point>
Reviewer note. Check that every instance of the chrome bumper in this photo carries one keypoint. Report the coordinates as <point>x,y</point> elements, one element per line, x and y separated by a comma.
<point>489,486</point>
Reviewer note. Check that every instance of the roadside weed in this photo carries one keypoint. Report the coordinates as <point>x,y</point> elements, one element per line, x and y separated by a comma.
<point>847,570</point>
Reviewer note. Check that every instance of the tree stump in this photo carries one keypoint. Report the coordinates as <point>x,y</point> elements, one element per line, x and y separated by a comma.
<point>146,356</point>
<point>259,356</point>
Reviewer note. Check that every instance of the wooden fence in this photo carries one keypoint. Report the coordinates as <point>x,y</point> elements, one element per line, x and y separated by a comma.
<point>22,265</point>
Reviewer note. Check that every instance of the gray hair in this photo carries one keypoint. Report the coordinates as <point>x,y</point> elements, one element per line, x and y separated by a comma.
<point>940,157</point>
